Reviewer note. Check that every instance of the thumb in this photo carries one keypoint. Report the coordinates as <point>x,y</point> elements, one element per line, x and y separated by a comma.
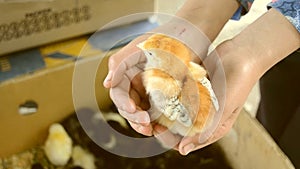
<point>166,137</point>
<point>124,59</point>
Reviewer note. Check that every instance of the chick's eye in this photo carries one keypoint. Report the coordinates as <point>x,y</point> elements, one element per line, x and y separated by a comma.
<point>150,53</point>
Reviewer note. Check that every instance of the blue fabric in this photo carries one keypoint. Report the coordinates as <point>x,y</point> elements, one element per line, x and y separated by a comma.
<point>237,15</point>
<point>290,9</point>
<point>245,6</point>
<point>246,3</point>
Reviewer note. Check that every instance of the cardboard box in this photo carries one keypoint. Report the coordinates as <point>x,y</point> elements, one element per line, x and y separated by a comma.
<point>48,96</point>
<point>32,23</point>
<point>249,146</point>
<point>31,101</point>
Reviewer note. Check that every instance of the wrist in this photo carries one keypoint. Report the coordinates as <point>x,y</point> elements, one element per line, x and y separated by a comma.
<point>208,16</point>
<point>188,34</point>
<point>238,59</point>
<point>267,41</point>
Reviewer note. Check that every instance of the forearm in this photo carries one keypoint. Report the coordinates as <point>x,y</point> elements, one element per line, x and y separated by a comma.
<point>208,15</point>
<point>267,41</point>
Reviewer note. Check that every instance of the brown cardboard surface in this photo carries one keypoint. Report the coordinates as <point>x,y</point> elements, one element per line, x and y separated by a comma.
<point>29,24</point>
<point>51,89</point>
<point>249,146</point>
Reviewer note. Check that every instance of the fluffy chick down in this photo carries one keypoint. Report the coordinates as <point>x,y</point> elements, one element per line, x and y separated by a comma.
<point>58,146</point>
<point>179,98</point>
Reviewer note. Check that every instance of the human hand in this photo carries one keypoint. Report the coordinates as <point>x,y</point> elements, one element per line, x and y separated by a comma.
<point>244,59</point>
<point>125,67</point>
<point>126,88</point>
<point>239,80</point>
<point>128,93</point>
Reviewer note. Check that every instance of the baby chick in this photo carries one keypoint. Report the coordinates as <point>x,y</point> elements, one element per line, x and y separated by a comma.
<point>181,96</point>
<point>83,158</point>
<point>58,146</point>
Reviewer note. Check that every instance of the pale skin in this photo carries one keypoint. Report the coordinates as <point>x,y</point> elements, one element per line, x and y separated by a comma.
<point>245,58</point>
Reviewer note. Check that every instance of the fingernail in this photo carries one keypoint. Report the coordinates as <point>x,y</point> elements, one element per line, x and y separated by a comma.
<point>108,78</point>
<point>139,128</point>
<point>188,148</point>
<point>145,120</point>
<point>144,130</point>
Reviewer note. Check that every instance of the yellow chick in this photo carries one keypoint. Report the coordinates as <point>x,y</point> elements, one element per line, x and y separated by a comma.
<point>58,146</point>
<point>83,158</point>
<point>180,93</point>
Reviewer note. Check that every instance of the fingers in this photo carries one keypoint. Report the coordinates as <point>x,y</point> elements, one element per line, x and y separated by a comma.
<point>142,129</point>
<point>130,66</point>
<point>126,100</point>
<point>124,59</point>
<point>225,126</point>
<point>137,84</point>
<point>139,98</point>
<point>189,144</point>
<point>134,95</point>
<point>166,137</point>
<point>125,96</point>
<point>120,96</point>
<point>118,67</point>
<point>107,80</point>
<point>139,117</point>
<point>120,91</point>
